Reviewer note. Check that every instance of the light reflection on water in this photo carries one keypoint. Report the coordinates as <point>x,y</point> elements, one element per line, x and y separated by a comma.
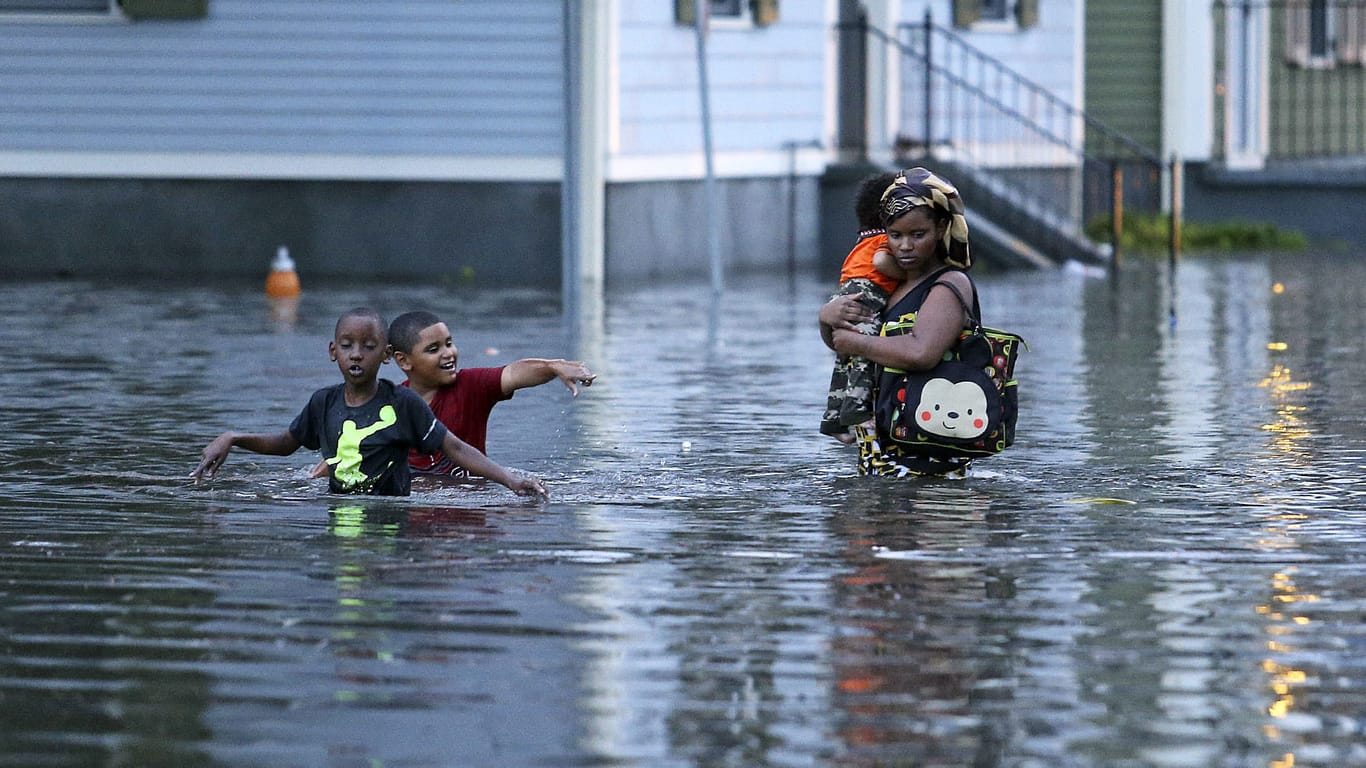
<point>1166,569</point>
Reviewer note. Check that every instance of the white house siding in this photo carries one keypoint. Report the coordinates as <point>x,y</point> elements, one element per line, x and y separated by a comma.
<point>768,89</point>
<point>770,103</point>
<point>289,88</point>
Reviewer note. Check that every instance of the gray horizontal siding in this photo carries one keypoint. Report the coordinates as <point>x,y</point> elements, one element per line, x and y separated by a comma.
<point>421,77</point>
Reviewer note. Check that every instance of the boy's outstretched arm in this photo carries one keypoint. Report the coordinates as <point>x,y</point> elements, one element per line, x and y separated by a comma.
<point>467,456</point>
<point>216,452</point>
<point>534,371</point>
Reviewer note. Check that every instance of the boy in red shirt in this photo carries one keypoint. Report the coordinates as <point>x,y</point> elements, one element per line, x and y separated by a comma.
<point>463,399</point>
<point>870,271</point>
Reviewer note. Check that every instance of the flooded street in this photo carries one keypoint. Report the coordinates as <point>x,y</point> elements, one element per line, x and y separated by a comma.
<point>1165,570</point>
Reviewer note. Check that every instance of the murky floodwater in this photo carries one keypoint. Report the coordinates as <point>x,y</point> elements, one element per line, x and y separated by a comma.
<point>1167,569</point>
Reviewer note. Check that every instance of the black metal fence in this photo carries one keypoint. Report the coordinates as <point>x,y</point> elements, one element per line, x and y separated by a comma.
<point>1290,80</point>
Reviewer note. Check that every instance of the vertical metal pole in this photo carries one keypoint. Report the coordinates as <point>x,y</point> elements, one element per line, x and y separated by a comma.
<point>571,202</point>
<point>929,83</point>
<point>1244,104</point>
<point>851,138</point>
<point>1175,246</point>
<point>791,147</point>
<point>1175,233</point>
<point>1116,212</point>
<point>703,16</point>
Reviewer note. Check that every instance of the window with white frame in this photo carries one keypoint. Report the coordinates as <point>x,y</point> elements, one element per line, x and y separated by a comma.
<point>729,13</point>
<point>995,10</point>
<point>727,9</point>
<point>995,14</point>
<point>1320,34</point>
<point>1351,42</point>
<point>1320,29</point>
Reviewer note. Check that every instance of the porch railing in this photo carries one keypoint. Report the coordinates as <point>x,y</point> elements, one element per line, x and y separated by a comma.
<point>1045,163</point>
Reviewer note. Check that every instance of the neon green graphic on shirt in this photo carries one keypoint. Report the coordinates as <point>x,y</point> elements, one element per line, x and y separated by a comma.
<point>347,461</point>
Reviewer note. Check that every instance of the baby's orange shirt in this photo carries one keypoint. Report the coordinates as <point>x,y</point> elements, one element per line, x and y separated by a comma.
<point>859,262</point>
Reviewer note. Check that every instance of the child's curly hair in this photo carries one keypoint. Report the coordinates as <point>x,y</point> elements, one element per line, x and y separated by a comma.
<point>868,201</point>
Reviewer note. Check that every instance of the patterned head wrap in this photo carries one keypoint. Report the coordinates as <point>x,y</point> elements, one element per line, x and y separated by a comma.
<point>915,187</point>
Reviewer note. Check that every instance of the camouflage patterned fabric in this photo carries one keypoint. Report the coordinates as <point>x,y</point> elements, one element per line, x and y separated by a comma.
<point>850,400</point>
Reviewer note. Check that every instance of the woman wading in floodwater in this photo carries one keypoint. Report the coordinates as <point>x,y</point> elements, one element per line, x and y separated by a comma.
<point>928,236</point>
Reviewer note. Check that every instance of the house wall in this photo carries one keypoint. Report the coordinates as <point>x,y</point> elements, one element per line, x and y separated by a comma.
<point>288,88</point>
<point>493,233</point>
<point>1123,65</point>
<point>768,90</point>
<point>771,124</point>
<point>1313,110</point>
<point>382,139</point>
<point>1310,198</point>
<point>765,224</point>
<point>1188,98</point>
<point>376,139</point>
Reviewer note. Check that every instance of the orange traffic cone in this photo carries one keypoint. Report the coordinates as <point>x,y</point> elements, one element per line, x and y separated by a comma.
<point>283,280</point>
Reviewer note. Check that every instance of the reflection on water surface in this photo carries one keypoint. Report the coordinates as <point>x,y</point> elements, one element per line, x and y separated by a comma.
<point>1166,569</point>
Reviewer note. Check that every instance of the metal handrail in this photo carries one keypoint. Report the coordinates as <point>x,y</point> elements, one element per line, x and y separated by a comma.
<point>1094,126</point>
<point>1076,158</point>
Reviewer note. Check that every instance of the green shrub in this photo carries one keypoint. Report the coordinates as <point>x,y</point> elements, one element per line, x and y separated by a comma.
<point>1146,232</point>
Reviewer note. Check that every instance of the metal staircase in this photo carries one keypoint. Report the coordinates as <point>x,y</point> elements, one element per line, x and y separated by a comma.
<point>1033,169</point>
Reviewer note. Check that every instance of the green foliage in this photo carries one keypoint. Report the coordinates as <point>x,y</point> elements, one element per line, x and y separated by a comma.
<point>1152,233</point>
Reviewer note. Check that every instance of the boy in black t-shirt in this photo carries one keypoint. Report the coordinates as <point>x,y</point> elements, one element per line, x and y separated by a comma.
<point>365,426</point>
